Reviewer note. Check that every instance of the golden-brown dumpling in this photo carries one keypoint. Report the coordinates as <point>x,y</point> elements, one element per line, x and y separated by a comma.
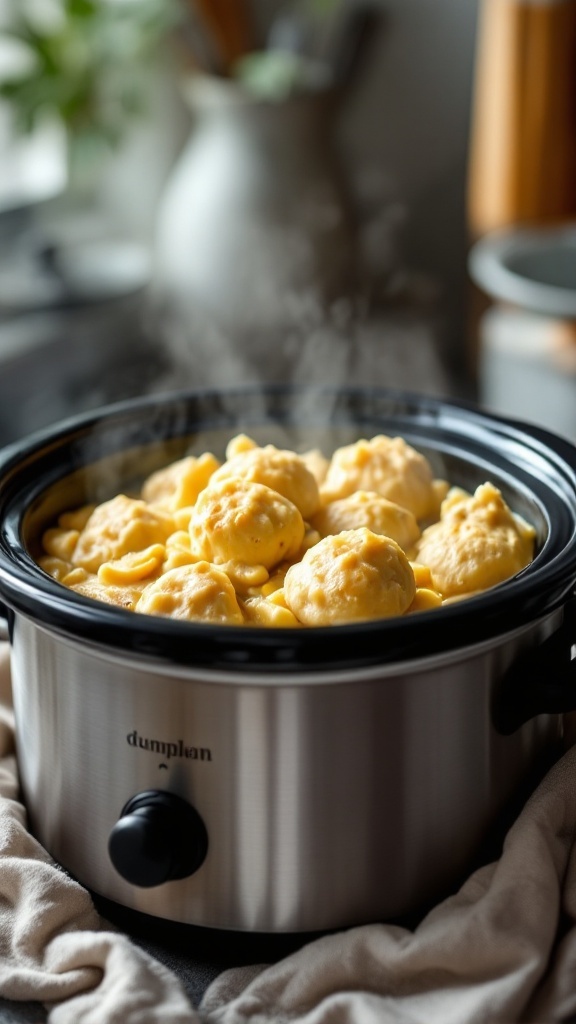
<point>179,484</point>
<point>240,521</point>
<point>118,527</point>
<point>366,508</point>
<point>283,471</point>
<point>387,465</point>
<point>352,576</point>
<point>199,592</point>
<point>317,463</point>
<point>477,543</point>
<point>60,543</point>
<point>239,443</point>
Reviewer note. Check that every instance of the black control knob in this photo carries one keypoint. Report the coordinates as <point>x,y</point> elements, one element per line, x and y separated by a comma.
<point>159,837</point>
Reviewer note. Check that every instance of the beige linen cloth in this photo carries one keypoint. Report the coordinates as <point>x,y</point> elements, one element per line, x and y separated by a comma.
<point>501,950</point>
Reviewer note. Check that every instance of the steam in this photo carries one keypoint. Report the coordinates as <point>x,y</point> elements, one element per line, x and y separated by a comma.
<point>375,329</point>
<point>376,336</point>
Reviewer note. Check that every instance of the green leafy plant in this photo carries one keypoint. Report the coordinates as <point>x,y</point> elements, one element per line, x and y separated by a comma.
<point>292,65</point>
<point>85,64</point>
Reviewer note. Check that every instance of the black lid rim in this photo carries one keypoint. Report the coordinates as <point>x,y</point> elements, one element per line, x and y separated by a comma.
<point>495,613</point>
<point>538,590</point>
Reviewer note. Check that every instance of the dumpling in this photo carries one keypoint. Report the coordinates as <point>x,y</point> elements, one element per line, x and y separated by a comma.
<point>366,508</point>
<point>117,527</point>
<point>283,471</point>
<point>179,484</point>
<point>389,466</point>
<point>247,523</point>
<point>194,592</point>
<point>353,576</point>
<point>477,543</point>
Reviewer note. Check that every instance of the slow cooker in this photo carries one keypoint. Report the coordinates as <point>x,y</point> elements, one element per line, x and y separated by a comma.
<point>296,780</point>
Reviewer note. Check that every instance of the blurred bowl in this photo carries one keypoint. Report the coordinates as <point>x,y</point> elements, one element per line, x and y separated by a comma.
<point>534,268</point>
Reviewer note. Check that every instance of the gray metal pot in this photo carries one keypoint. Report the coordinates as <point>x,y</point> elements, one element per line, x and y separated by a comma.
<point>283,780</point>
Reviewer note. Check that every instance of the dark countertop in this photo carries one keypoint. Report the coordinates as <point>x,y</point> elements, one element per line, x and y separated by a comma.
<point>198,955</point>
<point>58,363</point>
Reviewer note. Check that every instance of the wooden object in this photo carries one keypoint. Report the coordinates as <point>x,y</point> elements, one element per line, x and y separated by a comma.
<point>523,133</point>
<point>229,25</point>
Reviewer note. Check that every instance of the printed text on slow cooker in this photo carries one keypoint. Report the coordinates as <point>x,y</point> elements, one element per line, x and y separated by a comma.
<point>168,749</point>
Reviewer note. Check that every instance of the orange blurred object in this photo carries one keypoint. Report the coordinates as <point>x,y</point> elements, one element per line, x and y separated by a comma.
<point>229,24</point>
<point>523,134</point>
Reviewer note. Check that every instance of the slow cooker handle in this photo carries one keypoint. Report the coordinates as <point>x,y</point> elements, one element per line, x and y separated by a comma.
<point>541,681</point>
<point>4,629</point>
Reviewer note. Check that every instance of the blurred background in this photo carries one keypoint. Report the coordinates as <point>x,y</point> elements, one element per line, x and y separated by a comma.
<point>218,192</point>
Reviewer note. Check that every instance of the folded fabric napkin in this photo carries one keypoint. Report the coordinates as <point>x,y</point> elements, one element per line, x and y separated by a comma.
<point>54,947</point>
<point>501,950</point>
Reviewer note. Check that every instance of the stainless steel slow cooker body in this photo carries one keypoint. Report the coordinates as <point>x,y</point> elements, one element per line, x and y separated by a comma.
<point>283,780</point>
